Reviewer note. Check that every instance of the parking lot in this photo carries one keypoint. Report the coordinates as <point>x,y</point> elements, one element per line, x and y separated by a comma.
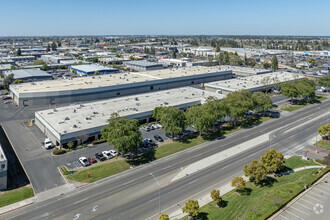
<point>313,205</point>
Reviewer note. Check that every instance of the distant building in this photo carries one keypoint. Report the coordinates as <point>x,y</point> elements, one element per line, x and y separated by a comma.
<point>304,65</point>
<point>29,75</point>
<point>112,60</point>
<point>4,67</point>
<point>3,170</point>
<point>173,62</point>
<point>143,65</point>
<point>54,58</point>
<point>20,59</point>
<point>90,69</point>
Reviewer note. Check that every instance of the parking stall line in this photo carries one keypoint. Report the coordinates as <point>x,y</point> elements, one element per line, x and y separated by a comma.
<point>313,198</point>
<point>307,201</point>
<point>322,191</point>
<point>299,210</point>
<point>283,217</point>
<point>317,194</point>
<point>325,188</point>
<point>304,206</point>
<point>293,214</point>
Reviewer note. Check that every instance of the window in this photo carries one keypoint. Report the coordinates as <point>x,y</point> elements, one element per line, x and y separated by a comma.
<point>192,82</point>
<point>118,93</point>
<point>151,87</point>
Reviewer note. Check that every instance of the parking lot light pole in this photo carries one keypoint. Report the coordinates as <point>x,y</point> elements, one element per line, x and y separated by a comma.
<point>159,210</point>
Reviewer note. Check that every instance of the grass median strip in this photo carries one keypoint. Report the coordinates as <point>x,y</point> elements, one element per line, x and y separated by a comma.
<point>325,144</point>
<point>296,162</point>
<point>100,171</point>
<point>302,104</point>
<point>15,195</point>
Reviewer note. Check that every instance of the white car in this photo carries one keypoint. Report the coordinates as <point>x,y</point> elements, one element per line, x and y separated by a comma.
<point>113,153</point>
<point>84,161</point>
<point>8,101</point>
<point>48,144</point>
<point>107,154</point>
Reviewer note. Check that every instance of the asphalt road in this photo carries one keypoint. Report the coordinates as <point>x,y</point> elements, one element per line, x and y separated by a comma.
<point>134,194</point>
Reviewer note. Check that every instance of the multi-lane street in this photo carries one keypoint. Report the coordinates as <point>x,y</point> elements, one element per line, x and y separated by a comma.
<point>134,194</point>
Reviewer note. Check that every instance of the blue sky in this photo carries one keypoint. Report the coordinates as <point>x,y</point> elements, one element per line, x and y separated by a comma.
<point>167,17</point>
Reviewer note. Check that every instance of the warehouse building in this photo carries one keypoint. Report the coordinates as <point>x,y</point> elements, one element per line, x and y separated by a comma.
<point>173,62</point>
<point>252,83</point>
<point>143,65</point>
<point>4,67</point>
<point>20,59</point>
<point>112,60</point>
<point>29,75</point>
<point>3,170</point>
<point>70,123</point>
<point>90,69</point>
<point>245,71</point>
<point>82,89</point>
<point>54,58</point>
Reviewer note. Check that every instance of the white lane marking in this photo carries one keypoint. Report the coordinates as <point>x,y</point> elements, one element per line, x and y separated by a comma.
<point>322,191</point>
<point>324,187</point>
<point>299,210</point>
<point>317,194</point>
<point>293,214</point>
<point>95,208</point>
<point>307,201</point>
<point>281,215</point>
<point>193,181</point>
<point>76,216</point>
<point>80,201</point>
<point>153,199</point>
<point>313,198</point>
<point>303,206</point>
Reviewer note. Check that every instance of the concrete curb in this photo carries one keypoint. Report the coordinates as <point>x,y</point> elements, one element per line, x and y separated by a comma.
<point>17,205</point>
<point>320,148</point>
<point>298,197</point>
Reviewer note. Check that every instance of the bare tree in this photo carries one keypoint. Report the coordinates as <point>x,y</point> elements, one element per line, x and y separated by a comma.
<point>82,137</point>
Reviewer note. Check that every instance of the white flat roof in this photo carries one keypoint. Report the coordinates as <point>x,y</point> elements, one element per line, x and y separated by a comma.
<point>245,70</point>
<point>75,118</point>
<point>109,80</point>
<point>252,82</point>
<point>90,67</point>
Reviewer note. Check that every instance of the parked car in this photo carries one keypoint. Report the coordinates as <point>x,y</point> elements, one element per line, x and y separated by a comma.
<point>84,161</point>
<point>8,101</point>
<point>107,154</point>
<point>92,160</point>
<point>6,98</point>
<point>146,128</point>
<point>158,138</point>
<point>113,153</point>
<point>48,144</point>
<point>100,156</point>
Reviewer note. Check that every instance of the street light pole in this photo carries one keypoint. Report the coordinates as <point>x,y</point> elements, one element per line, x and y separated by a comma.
<point>159,210</point>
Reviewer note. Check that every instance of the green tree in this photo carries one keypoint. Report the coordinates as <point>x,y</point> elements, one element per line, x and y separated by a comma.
<point>8,80</point>
<point>273,161</point>
<point>12,67</point>
<point>246,62</point>
<point>191,208</point>
<point>18,81</point>
<point>266,65</point>
<point>261,101</point>
<point>215,195</point>
<point>290,90</point>
<point>59,44</point>
<point>70,144</point>
<point>306,88</point>
<point>96,73</point>
<point>324,81</point>
<point>174,54</point>
<point>44,67</point>
<point>255,171</point>
<point>324,131</point>
<point>19,52</point>
<point>312,61</point>
<point>38,62</point>
<point>238,183</point>
<point>157,112</point>
<point>274,63</point>
<point>200,117</point>
<point>239,102</point>
<point>95,59</point>
<point>173,120</point>
<point>216,108</point>
<point>152,51</point>
<point>163,216</point>
<point>226,60</point>
<point>54,46</point>
<point>123,133</point>
<point>48,48</point>
<point>217,49</point>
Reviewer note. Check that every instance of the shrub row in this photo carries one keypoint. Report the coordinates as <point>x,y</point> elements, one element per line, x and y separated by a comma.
<point>59,151</point>
<point>99,141</point>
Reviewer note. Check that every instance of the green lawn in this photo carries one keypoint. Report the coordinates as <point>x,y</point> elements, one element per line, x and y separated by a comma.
<point>323,144</point>
<point>15,195</point>
<point>99,172</point>
<point>260,202</point>
<point>296,162</point>
<point>302,104</point>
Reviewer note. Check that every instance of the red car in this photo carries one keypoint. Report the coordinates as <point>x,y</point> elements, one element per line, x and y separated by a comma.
<point>6,98</point>
<point>92,160</point>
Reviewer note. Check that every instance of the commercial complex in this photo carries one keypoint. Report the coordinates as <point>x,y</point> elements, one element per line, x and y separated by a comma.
<point>29,75</point>
<point>143,65</point>
<point>54,59</point>
<point>82,89</point>
<point>245,71</point>
<point>3,170</point>
<point>252,83</point>
<point>69,123</point>
<point>90,69</point>
<point>4,67</point>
